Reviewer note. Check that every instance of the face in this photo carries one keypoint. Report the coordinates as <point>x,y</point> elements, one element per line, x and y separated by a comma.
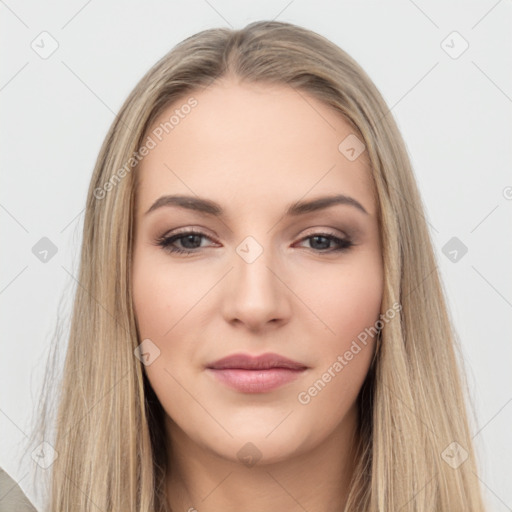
<point>246,273</point>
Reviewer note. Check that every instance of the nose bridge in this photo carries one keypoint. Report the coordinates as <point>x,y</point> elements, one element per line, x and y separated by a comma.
<point>252,268</point>
<point>256,295</point>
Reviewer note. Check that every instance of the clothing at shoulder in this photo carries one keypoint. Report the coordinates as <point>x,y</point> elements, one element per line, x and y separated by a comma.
<point>12,498</point>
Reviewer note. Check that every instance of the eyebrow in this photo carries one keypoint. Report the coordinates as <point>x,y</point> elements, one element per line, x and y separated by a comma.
<point>295,209</point>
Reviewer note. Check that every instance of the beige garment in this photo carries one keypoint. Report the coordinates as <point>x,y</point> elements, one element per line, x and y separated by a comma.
<point>12,498</point>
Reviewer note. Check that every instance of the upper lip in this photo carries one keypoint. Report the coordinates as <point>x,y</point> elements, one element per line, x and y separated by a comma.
<point>261,362</point>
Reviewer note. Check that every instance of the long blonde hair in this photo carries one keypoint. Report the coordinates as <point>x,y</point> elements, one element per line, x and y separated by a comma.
<point>108,427</point>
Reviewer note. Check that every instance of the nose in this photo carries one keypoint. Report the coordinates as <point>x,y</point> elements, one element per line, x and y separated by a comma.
<point>255,293</point>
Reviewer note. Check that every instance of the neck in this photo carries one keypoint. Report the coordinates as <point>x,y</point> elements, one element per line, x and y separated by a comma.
<point>318,480</point>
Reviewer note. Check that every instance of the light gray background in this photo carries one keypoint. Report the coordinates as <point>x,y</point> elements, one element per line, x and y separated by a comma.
<point>454,114</point>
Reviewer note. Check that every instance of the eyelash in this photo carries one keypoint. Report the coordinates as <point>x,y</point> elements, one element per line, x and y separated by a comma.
<point>166,241</point>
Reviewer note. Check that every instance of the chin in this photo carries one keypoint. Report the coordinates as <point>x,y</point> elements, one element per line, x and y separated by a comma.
<point>263,444</point>
<point>257,449</point>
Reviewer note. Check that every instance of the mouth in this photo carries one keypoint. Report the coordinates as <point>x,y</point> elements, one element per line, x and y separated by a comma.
<point>260,374</point>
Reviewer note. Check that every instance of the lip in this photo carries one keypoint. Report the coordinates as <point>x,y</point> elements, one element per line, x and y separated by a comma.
<point>256,374</point>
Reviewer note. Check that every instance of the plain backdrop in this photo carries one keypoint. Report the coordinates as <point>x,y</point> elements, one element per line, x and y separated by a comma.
<point>444,68</point>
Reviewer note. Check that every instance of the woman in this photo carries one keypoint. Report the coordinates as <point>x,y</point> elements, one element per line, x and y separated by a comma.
<point>259,321</point>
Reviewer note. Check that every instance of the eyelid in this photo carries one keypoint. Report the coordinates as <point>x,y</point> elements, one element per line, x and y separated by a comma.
<point>186,230</point>
<point>309,232</point>
<point>325,230</point>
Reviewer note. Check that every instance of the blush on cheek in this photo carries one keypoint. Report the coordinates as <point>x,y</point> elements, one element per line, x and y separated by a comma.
<point>347,306</point>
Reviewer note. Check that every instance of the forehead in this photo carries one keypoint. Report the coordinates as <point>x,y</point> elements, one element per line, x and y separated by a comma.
<point>252,146</point>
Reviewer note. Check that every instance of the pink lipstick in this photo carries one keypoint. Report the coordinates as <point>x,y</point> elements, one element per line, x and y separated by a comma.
<point>256,374</point>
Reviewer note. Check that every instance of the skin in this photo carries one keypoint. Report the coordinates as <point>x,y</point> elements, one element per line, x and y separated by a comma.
<point>255,149</point>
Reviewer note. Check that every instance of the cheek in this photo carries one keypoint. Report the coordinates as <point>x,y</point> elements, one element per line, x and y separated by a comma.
<point>348,304</point>
<point>164,296</point>
<point>345,298</point>
<point>161,299</point>
<point>356,304</point>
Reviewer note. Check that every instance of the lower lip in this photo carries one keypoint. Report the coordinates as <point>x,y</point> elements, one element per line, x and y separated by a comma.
<point>255,381</point>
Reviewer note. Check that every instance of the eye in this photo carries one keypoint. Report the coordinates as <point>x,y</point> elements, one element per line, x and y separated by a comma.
<point>191,240</point>
<point>320,240</point>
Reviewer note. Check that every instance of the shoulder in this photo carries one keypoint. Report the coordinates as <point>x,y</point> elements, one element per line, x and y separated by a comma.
<point>12,498</point>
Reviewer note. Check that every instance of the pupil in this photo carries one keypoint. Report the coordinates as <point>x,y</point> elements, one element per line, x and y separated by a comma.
<point>315,238</point>
<point>190,238</point>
